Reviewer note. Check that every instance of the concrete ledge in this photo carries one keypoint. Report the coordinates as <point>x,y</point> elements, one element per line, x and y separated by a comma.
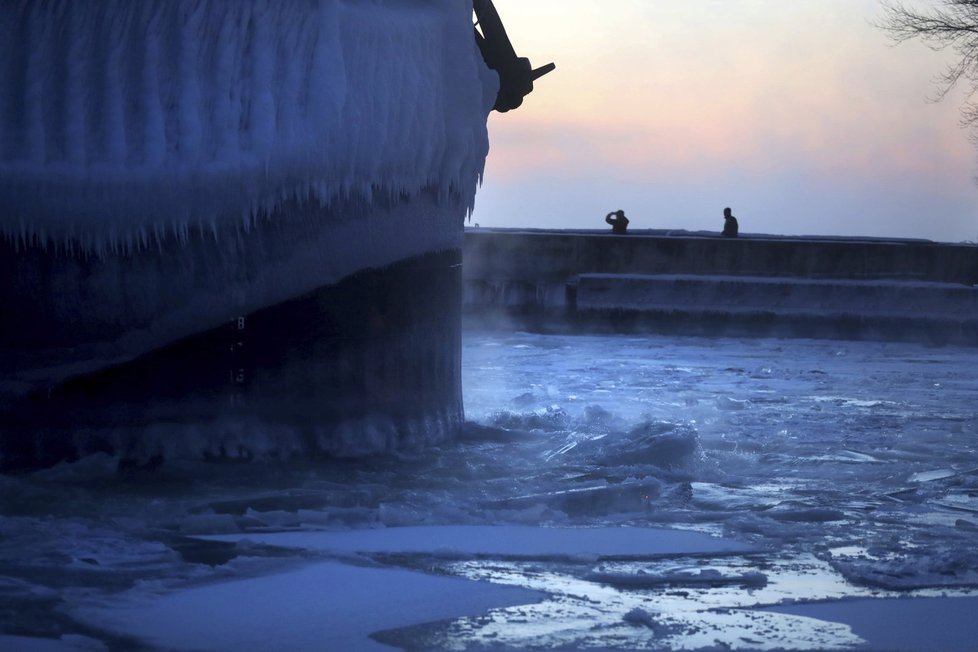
<point>936,313</point>
<point>552,255</point>
<point>788,287</point>
<point>777,295</point>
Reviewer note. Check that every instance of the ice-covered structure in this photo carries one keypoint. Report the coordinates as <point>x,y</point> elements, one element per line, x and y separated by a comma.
<point>234,228</point>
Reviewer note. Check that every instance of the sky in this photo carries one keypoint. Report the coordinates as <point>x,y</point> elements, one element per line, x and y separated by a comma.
<point>801,116</point>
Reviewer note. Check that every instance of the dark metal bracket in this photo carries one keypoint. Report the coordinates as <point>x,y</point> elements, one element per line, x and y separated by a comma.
<point>516,75</point>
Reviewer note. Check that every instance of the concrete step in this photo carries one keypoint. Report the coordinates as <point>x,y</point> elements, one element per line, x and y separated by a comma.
<point>743,306</point>
<point>778,295</point>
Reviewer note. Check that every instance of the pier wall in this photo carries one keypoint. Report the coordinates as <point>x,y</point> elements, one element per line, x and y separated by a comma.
<point>703,284</point>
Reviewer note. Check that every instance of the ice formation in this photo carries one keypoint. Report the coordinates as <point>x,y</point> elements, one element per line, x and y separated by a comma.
<point>168,169</point>
<point>126,123</point>
<point>844,483</point>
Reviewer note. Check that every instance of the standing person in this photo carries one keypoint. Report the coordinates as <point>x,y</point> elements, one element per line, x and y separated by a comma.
<point>619,223</point>
<point>730,226</point>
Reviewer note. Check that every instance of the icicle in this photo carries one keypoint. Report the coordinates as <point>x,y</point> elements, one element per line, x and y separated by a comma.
<point>183,115</point>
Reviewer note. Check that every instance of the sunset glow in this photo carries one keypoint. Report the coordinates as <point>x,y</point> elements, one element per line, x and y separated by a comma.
<point>802,116</point>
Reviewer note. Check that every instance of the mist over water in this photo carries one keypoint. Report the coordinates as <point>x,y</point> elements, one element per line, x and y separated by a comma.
<point>791,440</point>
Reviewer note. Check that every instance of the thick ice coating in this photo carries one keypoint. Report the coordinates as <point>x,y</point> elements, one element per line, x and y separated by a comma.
<point>122,123</point>
<point>172,171</point>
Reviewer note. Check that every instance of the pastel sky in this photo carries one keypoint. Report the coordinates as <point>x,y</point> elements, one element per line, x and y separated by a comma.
<point>798,114</point>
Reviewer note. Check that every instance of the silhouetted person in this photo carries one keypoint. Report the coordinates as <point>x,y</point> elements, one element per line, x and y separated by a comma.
<point>730,226</point>
<point>619,223</point>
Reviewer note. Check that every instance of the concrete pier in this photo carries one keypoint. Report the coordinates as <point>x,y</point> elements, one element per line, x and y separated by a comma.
<point>659,281</point>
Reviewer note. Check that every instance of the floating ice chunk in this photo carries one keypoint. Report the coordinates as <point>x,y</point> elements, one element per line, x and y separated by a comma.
<point>546,419</point>
<point>709,496</point>
<point>639,617</point>
<point>666,445</point>
<point>930,476</point>
<point>856,456</point>
<point>502,540</point>
<point>948,566</point>
<point>624,497</point>
<point>806,514</point>
<point>322,606</point>
<point>727,403</point>
<point>642,617</point>
<point>903,625</point>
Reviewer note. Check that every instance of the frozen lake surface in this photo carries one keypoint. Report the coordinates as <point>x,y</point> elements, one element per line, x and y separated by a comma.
<point>610,492</point>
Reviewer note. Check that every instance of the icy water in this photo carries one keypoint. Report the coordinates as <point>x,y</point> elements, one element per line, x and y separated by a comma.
<point>841,470</point>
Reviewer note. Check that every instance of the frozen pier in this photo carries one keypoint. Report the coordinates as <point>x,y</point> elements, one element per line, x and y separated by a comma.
<point>701,284</point>
<point>232,230</point>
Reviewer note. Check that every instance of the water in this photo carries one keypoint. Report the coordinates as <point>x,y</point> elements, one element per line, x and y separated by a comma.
<point>785,432</point>
<point>853,464</point>
<point>847,469</point>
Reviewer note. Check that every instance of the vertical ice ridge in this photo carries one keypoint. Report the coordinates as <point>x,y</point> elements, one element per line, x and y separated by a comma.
<point>117,116</point>
<point>76,108</point>
<point>261,111</point>
<point>154,134</point>
<point>113,118</point>
<point>36,77</point>
<point>186,50</point>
